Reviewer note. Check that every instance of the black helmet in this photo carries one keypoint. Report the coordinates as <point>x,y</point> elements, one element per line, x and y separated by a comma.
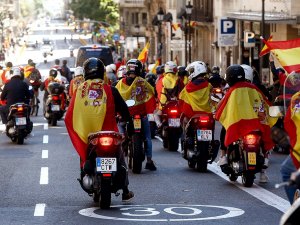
<point>53,72</point>
<point>215,70</point>
<point>182,72</point>
<point>134,66</point>
<point>160,69</point>
<point>93,69</point>
<point>234,74</point>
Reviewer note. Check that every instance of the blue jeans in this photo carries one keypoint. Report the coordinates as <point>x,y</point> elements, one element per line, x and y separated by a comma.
<point>287,168</point>
<point>147,134</point>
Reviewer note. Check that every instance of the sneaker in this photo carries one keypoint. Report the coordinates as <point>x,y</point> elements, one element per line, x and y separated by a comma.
<point>150,166</point>
<point>127,197</point>
<point>263,178</point>
<point>222,161</point>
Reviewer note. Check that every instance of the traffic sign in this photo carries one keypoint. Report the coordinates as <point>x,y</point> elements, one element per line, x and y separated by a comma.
<point>227,32</point>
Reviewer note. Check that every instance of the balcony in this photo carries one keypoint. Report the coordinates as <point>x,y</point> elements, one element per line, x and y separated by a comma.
<point>132,3</point>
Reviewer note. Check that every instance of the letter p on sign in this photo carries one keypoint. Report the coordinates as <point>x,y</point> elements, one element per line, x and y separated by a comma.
<point>227,26</point>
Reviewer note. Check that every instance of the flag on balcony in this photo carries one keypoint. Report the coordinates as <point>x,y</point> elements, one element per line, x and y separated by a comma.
<point>287,53</point>
<point>144,53</point>
<point>175,26</point>
<point>265,50</point>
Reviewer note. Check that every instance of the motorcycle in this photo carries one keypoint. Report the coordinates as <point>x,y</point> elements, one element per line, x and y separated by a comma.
<point>102,167</point>
<point>171,129</point>
<point>19,124</point>
<point>199,146</point>
<point>55,104</point>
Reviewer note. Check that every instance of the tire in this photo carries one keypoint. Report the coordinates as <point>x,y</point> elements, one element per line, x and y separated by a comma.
<point>202,148</point>
<point>233,177</point>
<point>173,140</point>
<point>105,194</point>
<point>191,164</point>
<point>248,178</point>
<point>138,154</point>
<point>165,143</point>
<point>152,129</point>
<point>53,122</point>
<point>96,197</point>
<point>20,137</point>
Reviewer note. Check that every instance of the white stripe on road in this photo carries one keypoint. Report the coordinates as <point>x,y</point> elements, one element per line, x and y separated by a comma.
<point>256,191</point>
<point>45,126</point>
<point>44,154</point>
<point>39,209</point>
<point>44,175</point>
<point>45,139</point>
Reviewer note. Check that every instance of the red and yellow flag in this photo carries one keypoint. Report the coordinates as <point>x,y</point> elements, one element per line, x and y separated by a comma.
<point>265,50</point>
<point>194,99</point>
<point>144,53</point>
<point>92,109</point>
<point>153,70</point>
<point>175,26</point>
<point>238,113</point>
<point>292,126</point>
<point>287,53</point>
<point>140,91</point>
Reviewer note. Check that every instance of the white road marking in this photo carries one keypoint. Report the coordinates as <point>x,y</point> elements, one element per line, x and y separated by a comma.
<point>44,154</point>
<point>39,209</point>
<point>45,139</point>
<point>44,175</point>
<point>45,126</point>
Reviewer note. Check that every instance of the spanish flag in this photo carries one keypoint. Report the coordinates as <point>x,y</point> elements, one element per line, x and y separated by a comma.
<point>92,109</point>
<point>265,50</point>
<point>175,26</point>
<point>144,53</point>
<point>140,91</point>
<point>153,70</point>
<point>292,126</point>
<point>194,99</point>
<point>287,53</point>
<point>239,113</point>
<point>169,81</point>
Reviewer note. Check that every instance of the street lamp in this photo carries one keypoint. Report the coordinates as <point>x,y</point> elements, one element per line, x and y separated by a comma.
<point>160,18</point>
<point>188,10</point>
<point>137,30</point>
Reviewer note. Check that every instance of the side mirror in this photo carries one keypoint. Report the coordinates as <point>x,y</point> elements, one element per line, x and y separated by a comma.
<point>276,111</point>
<point>130,102</point>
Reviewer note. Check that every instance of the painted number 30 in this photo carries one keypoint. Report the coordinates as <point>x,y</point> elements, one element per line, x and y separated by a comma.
<point>145,211</point>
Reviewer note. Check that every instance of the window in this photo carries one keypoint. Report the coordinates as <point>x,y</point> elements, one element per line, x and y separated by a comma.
<point>144,18</point>
<point>135,18</point>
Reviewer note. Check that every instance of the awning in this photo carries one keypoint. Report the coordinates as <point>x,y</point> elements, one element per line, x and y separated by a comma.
<point>269,17</point>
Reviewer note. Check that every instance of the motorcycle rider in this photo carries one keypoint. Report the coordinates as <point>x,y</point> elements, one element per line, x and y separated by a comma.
<point>16,90</point>
<point>183,74</point>
<point>102,114</point>
<point>76,81</point>
<point>137,88</point>
<point>248,107</point>
<point>215,79</point>
<point>195,96</point>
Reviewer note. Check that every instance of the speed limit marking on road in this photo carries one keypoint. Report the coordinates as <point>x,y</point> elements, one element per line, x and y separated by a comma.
<point>163,212</point>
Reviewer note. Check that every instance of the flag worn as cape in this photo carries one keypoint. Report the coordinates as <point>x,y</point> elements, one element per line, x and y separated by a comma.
<point>144,53</point>
<point>169,81</point>
<point>292,126</point>
<point>140,91</point>
<point>92,109</point>
<point>238,113</point>
<point>194,99</point>
<point>287,53</point>
<point>265,50</point>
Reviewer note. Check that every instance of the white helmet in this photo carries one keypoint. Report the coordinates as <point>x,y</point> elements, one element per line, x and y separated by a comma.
<point>121,71</point>
<point>79,71</point>
<point>111,68</point>
<point>196,68</point>
<point>16,72</point>
<point>248,72</point>
<point>170,67</point>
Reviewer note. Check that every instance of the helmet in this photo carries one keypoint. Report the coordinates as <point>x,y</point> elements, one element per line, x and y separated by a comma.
<point>121,72</point>
<point>111,68</point>
<point>53,72</point>
<point>170,67</point>
<point>234,74</point>
<point>181,71</point>
<point>215,70</point>
<point>160,69</point>
<point>16,72</point>
<point>134,66</point>
<point>78,71</point>
<point>196,68</point>
<point>248,72</point>
<point>93,68</point>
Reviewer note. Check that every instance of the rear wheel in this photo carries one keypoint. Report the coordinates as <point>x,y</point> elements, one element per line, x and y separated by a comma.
<point>202,148</point>
<point>173,140</point>
<point>53,122</point>
<point>105,194</point>
<point>138,154</point>
<point>248,179</point>
<point>20,137</point>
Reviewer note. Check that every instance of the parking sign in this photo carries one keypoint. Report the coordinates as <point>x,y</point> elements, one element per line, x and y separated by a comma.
<point>227,35</point>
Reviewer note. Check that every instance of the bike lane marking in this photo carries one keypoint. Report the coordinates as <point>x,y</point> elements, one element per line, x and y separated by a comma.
<point>44,175</point>
<point>45,139</point>
<point>44,154</point>
<point>39,209</point>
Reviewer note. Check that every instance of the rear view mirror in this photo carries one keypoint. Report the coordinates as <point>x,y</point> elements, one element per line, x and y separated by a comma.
<point>276,111</point>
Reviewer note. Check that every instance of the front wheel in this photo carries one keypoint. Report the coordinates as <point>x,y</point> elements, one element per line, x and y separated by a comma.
<point>105,194</point>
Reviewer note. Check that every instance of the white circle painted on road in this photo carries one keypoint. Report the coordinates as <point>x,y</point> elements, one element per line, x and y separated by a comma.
<point>167,212</point>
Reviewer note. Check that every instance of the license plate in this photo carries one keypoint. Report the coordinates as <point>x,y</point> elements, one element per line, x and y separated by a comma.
<point>150,117</point>
<point>55,107</point>
<point>137,124</point>
<point>174,122</point>
<point>106,164</point>
<point>251,158</point>
<point>21,121</point>
<point>204,135</point>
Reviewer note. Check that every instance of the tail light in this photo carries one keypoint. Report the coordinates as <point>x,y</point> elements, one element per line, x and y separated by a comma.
<point>251,139</point>
<point>137,117</point>
<point>203,120</point>
<point>106,141</point>
<point>218,90</point>
<point>55,98</point>
<point>20,109</point>
<point>173,111</point>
